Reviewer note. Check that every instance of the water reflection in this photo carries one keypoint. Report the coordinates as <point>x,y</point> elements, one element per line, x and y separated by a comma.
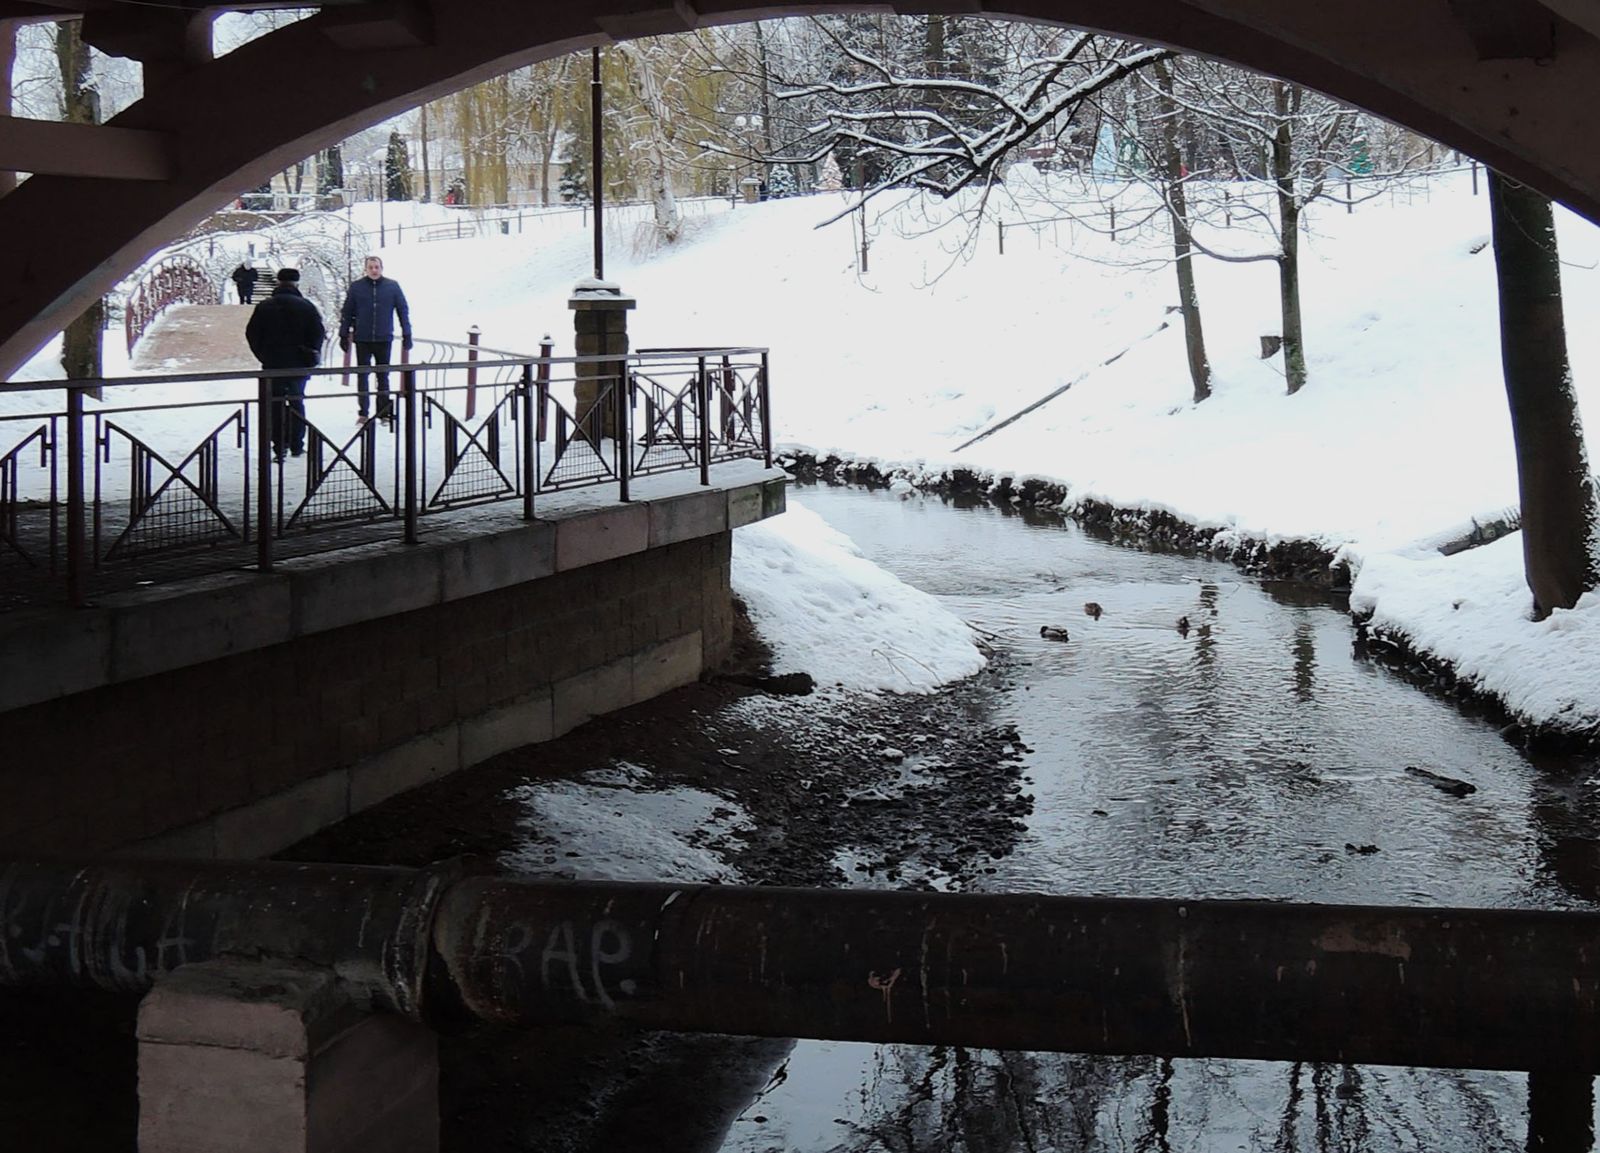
<point>1162,770</point>
<point>1305,661</point>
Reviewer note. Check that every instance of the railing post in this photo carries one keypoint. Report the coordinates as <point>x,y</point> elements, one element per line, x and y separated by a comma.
<point>1000,227</point>
<point>622,386</point>
<point>529,441</point>
<point>547,348</point>
<point>408,385</point>
<point>76,529</point>
<point>264,520</point>
<point>766,413</point>
<point>703,400</point>
<point>472,371</point>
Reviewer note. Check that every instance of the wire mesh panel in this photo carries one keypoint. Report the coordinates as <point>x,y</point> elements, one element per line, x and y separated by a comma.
<point>30,514</point>
<point>666,423</point>
<point>342,482</point>
<point>162,507</point>
<point>736,401</point>
<point>581,449</point>
<point>473,463</point>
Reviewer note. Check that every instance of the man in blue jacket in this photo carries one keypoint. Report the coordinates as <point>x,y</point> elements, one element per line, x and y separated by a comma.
<point>368,316</point>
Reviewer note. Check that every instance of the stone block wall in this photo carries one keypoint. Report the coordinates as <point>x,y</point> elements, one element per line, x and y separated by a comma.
<point>242,755</point>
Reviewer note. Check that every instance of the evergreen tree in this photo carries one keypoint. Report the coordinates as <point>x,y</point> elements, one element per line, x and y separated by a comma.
<point>830,179</point>
<point>396,169</point>
<point>331,172</point>
<point>781,181</point>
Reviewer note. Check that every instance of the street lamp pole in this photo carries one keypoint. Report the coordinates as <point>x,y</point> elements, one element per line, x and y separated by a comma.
<point>595,167</point>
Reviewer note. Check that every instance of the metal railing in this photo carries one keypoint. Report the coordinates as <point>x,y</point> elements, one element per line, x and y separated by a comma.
<point>174,280</point>
<point>113,483</point>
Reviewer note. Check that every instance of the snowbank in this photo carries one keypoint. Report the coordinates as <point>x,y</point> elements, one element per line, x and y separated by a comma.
<point>1474,611</point>
<point>828,611</point>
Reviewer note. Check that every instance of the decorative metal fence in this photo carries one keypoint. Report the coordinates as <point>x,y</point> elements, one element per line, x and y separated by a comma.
<point>175,280</point>
<point>179,475</point>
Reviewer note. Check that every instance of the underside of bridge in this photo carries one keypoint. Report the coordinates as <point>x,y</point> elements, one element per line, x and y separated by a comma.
<point>1515,83</point>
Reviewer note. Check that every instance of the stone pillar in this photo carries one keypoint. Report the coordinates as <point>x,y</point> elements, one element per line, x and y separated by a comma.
<point>600,320</point>
<point>256,1058</point>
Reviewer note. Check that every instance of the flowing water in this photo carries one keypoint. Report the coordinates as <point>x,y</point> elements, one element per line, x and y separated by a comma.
<point>1256,756</point>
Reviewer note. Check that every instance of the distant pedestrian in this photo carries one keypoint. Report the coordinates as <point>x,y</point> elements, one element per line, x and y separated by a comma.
<point>285,331</point>
<point>244,279</point>
<point>368,316</point>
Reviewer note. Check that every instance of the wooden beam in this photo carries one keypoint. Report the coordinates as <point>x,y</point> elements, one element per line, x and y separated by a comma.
<point>378,26</point>
<point>1507,29</point>
<point>1584,14</point>
<point>48,147</point>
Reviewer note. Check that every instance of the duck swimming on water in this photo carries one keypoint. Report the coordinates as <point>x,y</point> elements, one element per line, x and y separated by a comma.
<point>1053,633</point>
<point>1093,609</point>
<point>1183,626</point>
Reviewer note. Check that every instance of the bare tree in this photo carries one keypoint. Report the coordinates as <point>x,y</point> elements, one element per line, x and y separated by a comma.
<point>944,133</point>
<point>80,104</point>
<point>1182,242</point>
<point>1284,138</point>
<point>1560,518</point>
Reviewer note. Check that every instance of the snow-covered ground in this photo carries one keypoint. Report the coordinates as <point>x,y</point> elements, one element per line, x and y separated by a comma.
<point>1401,433</point>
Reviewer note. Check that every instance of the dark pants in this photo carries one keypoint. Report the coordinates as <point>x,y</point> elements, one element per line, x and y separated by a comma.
<point>288,415</point>
<point>247,293</point>
<point>373,352</point>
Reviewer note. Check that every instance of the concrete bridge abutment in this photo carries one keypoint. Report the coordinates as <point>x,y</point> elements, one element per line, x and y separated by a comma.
<point>231,716</point>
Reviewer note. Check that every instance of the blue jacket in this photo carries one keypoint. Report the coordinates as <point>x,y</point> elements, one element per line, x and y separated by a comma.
<point>370,308</point>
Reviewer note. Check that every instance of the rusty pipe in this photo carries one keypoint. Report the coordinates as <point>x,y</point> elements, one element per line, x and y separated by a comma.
<point>1451,988</point>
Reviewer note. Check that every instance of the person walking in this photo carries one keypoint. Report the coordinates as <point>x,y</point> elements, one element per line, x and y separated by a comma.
<point>285,331</point>
<point>244,279</point>
<point>368,316</point>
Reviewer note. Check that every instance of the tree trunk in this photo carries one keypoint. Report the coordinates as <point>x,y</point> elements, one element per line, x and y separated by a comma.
<point>646,89</point>
<point>1194,338</point>
<point>1286,99</point>
<point>427,177</point>
<point>766,94</point>
<point>8,58</point>
<point>1560,520</point>
<point>80,340</point>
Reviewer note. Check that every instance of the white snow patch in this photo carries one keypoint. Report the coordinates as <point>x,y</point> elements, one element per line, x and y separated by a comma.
<point>828,611</point>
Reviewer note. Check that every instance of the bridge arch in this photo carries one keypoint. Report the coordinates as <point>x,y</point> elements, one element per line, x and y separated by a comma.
<point>1515,83</point>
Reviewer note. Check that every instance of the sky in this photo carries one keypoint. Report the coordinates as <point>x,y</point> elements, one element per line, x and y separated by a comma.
<point>1400,436</point>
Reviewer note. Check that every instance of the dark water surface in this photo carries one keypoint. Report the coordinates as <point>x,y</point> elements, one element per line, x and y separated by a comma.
<point>1238,761</point>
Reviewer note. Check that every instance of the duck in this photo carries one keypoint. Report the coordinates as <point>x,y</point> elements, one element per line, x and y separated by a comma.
<point>1053,633</point>
<point>1183,626</point>
<point>1093,609</point>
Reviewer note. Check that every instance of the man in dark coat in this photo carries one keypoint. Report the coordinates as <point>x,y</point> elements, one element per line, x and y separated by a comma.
<point>368,315</point>
<point>244,279</point>
<point>285,331</point>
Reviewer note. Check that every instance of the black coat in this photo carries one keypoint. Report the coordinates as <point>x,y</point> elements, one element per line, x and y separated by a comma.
<point>245,277</point>
<point>285,330</point>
